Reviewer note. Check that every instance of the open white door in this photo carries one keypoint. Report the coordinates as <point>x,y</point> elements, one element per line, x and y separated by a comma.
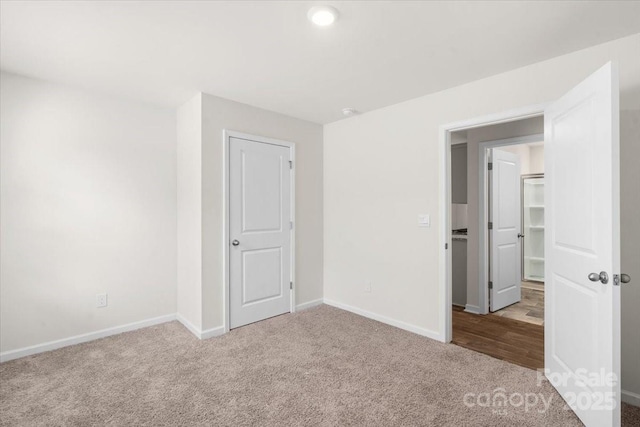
<point>582,218</point>
<point>505,231</point>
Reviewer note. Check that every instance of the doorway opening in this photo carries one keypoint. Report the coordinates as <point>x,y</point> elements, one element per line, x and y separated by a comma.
<point>582,242</point>
<point>497,226</point>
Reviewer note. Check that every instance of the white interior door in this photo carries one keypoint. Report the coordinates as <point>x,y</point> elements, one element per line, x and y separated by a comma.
<point>582,317</point>
<point>506,227</point>
<point>259,231</point>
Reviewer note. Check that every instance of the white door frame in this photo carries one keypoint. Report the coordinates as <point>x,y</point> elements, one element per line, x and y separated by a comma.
<point>444,145</point>
<point>226,138</point>
<point>483,212</point>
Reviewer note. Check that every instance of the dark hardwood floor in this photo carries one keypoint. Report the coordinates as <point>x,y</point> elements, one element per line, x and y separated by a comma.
<point>500,337</point>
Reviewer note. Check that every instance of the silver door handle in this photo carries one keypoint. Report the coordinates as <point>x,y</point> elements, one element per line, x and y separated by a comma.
<point>602,277</point>
<point>622,278</point>
<point>235,243</point>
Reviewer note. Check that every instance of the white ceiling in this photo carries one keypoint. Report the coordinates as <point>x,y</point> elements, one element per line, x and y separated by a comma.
<point>269,55</point>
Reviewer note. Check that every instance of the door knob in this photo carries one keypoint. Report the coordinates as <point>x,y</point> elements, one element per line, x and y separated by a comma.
<point>520,235</point>
<point>602,277</point>
<point>622,278</point>
<point>235,243</point>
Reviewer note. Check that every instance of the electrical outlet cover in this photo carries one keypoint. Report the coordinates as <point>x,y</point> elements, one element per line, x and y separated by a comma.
<point>101,300</point>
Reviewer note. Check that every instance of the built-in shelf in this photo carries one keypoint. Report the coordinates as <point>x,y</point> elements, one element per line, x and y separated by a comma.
<point>533,226</point>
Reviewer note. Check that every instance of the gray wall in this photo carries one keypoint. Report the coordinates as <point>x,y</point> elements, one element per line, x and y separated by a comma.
<point>630,246</point>
<point>219,114</point>
<point>201,122</point>
<point>459,173</point>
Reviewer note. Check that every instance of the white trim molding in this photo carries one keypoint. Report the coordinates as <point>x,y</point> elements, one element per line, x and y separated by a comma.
<point>201,335</point>
<point>79,339</point>
<point>631,398</point>
<point>208,333</point>
<point>190,326</point>
<point>389,321</point>
<point>309,304</point>
<point>474,309</point>
<point>213,332</point>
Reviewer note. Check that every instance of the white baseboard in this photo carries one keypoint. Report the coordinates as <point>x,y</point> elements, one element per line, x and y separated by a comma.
<point>79,339</point>
<point>190,326</point>
<point>309,304</point>
<point>397,323</point>
<point>213,332</point>
<point>473,309</point>
<point>202,335</point>
<point>631,398</point>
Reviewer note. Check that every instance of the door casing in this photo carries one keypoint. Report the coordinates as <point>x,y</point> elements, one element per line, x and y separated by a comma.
<point>226,137</point>
<point>445,286</point>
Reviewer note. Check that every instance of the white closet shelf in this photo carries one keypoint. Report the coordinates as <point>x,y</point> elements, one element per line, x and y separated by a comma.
<point>534,258</point>
<point>535,227</point>
<point>535,207</point>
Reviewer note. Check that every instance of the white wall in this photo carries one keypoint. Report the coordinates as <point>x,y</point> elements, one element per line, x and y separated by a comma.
<point>531,157</point>
<point>88,205</point>
<point>189,207</point>
<point>218,114</point>
<point>536,158</point>
<point>381,170</point>
<point>522,151</point>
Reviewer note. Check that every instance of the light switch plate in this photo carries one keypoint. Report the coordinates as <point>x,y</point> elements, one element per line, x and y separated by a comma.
<point>424,220</point>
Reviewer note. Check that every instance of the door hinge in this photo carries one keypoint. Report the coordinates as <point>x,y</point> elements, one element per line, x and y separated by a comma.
<point>290,225</point>
<point>290,164</point>
<point>446,246</point>
<point>290,285</point>
<point>490,166</point>
<point>490,225</point>
<point>490,284</point>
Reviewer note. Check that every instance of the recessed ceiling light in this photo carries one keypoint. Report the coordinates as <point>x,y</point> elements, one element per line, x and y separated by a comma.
<point>349,112</point>
<point>323,15</point>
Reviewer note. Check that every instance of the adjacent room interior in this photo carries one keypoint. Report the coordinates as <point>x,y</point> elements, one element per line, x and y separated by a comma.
<point>319,213</point>
<point>499,308</point>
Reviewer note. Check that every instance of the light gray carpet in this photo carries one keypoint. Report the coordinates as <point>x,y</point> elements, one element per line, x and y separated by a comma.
<point>322,366</point>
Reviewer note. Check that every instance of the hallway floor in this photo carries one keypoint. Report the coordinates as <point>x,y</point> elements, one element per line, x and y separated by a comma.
<point>530,309</point>
<point>514,341</point>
